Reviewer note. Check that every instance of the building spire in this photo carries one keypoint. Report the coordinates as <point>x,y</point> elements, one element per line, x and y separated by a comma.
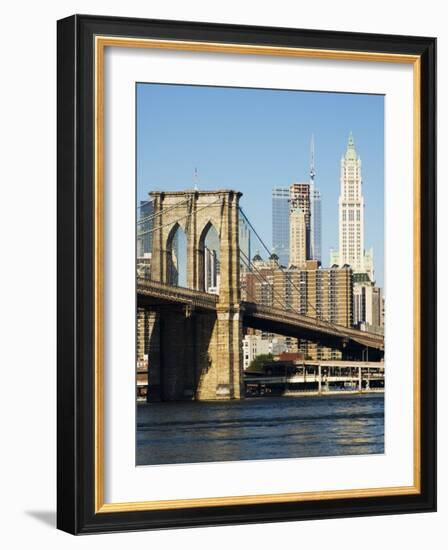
<point>196,179</point>
<point>351,141</point>
<point>350,154</point>
<point>312,168</point>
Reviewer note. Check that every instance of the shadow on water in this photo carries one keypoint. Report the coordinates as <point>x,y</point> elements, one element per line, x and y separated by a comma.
<point>259,429</point>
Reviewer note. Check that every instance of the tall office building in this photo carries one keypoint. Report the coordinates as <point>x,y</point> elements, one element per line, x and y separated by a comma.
<point>315,207</point>
<point>211,271</point>
<point>297,237</point>
<point>145,224</point>
<point>351,211</point>
<point>144,227</point>
<point>299,198</point>
<point>367,304</point>
<point>322,293</point>
<point>280,223</point>
<point>316,224</point>
<point>285,200</point>
<point>244,241</point>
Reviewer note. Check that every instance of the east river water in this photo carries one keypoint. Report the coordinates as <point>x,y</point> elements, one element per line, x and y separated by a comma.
<point>260,428</point>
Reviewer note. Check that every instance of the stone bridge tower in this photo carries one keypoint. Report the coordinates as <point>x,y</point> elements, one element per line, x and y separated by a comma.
<point>197,355</point>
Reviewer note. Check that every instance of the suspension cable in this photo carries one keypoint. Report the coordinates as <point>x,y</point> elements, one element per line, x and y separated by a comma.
<point>283,270</point>
<point>318,321</point>
<point>181,218</point>
<point>262,278</point>
<point>161,212</point>
<point>282,303</point>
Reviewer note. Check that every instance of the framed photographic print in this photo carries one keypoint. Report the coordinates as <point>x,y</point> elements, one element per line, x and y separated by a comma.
<point>246,267</point>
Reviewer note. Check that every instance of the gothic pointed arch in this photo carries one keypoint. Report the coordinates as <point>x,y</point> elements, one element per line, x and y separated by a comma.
<point>208,249</point>
<point>176,254</point>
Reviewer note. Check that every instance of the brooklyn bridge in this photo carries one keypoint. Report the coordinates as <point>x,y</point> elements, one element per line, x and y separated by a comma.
<point>193,338</point>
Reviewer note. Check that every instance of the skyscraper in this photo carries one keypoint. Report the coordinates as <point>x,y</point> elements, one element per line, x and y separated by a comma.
<point>211,271</point>
<point>367,304</point>
<point>244,241</point>
<point>351,212</point>
<point>299,197</point>
<point>315,207</point>
<point>144,228</point>
<point>297,237</point>
<point>280,223</point>
<point>322,293</point>
<point>316,224</point>
<point>285,200</point>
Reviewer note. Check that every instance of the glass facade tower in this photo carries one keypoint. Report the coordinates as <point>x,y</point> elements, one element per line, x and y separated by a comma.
<point>280,223</point>
<point>316,224</point>
<point>316,216</point>
<point>144,228</point>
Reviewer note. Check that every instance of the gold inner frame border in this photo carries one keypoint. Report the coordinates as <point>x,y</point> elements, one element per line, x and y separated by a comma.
<point>101,42</point>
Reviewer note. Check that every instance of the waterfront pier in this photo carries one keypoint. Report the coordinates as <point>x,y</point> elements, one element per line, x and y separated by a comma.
<point>316,378</point>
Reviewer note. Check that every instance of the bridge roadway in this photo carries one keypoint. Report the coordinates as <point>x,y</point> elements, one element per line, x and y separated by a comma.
<point>270,319</point>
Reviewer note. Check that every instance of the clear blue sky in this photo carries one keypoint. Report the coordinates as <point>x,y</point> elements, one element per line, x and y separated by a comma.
<point>252,140</point>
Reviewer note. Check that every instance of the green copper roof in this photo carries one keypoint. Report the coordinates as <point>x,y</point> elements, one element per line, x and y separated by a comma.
<point>361,278</point>
<point>257,257</point>
<point>350,154</point>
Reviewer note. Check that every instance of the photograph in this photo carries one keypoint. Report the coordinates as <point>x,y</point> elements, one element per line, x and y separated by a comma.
<point>259,268</point>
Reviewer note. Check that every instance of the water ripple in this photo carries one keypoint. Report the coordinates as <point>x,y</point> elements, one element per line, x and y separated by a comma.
<point>293,427</point>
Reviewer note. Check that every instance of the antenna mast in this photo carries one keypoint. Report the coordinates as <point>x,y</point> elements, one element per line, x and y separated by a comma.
<point>196,179</point>
<point>312,168</point>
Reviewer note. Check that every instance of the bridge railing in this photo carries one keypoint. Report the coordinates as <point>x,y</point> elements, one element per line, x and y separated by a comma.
<point>181,294</point>
<point>279,315</point>
<point>209,301</point>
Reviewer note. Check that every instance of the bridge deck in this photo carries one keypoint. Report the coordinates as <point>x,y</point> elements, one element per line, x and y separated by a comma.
<point>272,319</point>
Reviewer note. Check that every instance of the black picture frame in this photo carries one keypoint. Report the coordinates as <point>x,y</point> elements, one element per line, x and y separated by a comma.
<point>76,272</point>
